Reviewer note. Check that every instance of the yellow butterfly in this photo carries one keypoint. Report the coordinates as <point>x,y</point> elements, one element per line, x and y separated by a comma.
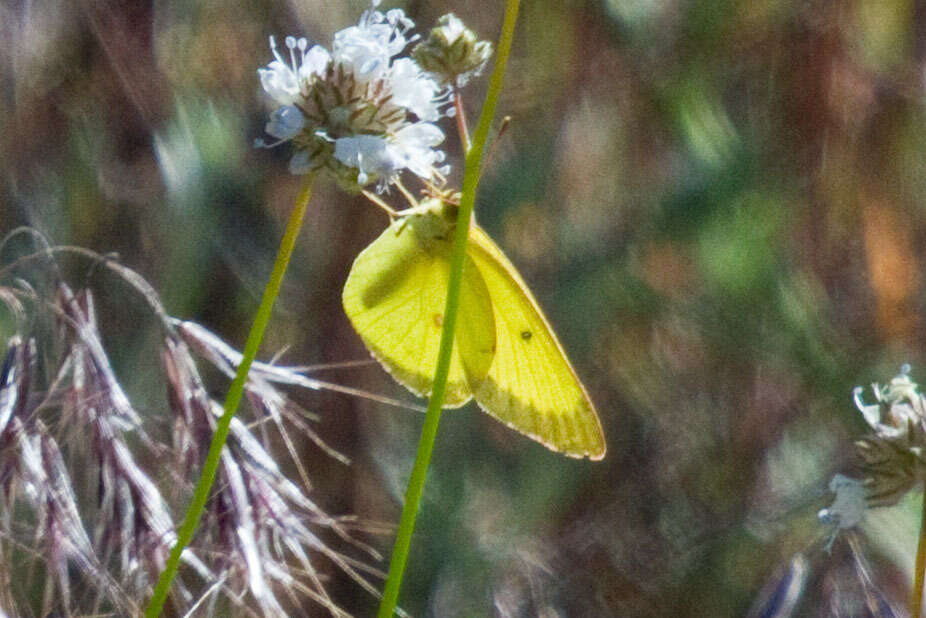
<point>505,353</point>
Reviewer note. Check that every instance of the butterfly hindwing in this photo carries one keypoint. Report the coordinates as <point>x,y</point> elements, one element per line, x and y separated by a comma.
<point>531,386</point>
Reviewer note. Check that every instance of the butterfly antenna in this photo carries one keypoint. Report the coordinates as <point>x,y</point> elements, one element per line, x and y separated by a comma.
<point>408,194</point>
<point>439,193</point>
<point>416,207</point>
<point>506,121</point>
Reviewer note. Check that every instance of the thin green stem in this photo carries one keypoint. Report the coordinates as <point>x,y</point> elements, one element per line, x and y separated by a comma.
<point>916,605</point>
<point>460,114</point>
<point>461,235</point>
<point>201,492</point>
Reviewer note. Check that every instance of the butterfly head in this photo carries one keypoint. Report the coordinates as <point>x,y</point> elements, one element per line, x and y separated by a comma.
<point>434,221</point>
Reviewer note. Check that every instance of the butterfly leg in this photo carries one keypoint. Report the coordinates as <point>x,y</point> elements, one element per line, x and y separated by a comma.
<point>393,214</point>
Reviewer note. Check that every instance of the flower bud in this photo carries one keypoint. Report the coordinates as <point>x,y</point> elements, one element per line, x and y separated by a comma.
<point>451,52</point>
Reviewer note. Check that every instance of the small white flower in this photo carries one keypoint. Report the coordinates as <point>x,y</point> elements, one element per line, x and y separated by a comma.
<point>286,122</point>
<point>282,81</point>
<point>848,509</point>
<point>415,90</point>
<point>357,111</point>
<point>411,148</point>
<point>370,45</point>
<point>368,153</point>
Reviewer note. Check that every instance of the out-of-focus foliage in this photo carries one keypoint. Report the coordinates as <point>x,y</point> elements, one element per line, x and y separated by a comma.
<point>720,205</point>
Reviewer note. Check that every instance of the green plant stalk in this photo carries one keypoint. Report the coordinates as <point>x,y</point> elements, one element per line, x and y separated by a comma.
<point>236,390</point>
<point>461,236</point>
<point>916,605</point>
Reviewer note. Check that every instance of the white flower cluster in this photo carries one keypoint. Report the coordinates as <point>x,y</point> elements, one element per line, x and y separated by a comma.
<point>890,458</point>
<point>357,110</point>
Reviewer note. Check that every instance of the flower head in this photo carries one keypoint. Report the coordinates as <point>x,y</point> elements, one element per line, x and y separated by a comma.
<point>891,457</point>
<point>357,110</point>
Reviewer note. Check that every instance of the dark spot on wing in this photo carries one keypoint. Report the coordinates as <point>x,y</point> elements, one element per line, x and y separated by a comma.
<point>526,334</point>
<point>438,320</point>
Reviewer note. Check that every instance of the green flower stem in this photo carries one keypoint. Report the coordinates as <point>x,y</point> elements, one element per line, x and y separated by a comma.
<point>461,235</point>
<point>461,119</point>
<point>916,605</point>
<point>201,493</point>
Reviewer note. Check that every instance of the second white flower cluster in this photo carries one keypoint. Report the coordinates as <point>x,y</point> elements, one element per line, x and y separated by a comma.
<point>890,458</point>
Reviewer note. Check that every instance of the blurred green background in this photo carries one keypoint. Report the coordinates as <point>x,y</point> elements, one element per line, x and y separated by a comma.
<point>718,203</point>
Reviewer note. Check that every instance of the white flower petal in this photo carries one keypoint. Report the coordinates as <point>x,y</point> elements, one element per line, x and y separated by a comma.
<point>412,148</point>
<point>279,81</point>
<point>314,62</point>
<point>364,49</point>
<point>285,123</point>
<point>413,89</point>
<point>872,413</point>
<point>369,154</point>
<point>424,133</point>
<point>849,507</point>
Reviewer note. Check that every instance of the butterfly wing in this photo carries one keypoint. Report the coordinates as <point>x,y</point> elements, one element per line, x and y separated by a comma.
<point>395,296</point>
<point>531,386</point>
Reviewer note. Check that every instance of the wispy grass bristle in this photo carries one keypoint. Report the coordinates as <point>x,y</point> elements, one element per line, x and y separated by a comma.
<point>226,359</point>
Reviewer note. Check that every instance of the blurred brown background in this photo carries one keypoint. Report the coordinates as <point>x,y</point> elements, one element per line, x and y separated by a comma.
<point>718,203</point>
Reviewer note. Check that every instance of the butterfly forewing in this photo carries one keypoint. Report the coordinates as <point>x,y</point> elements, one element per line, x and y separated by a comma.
<point>531,386</point>
<point>395,296</point>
